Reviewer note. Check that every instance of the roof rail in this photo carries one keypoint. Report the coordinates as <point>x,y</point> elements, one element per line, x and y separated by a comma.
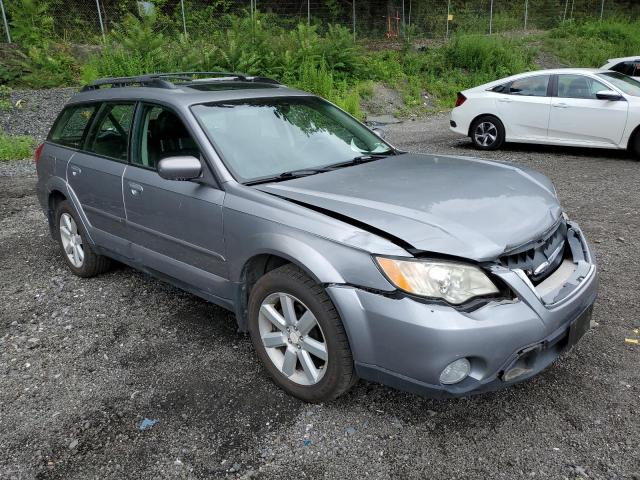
<point>168,80</point>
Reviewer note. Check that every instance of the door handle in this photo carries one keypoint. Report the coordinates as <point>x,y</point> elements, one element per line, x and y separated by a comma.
<point>560,105</point>
<point>136,189</point>
<point>505,100</point>
<point>75,170</point>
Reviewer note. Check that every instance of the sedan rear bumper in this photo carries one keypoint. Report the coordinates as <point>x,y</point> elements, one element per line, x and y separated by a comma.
<point>405,343</point>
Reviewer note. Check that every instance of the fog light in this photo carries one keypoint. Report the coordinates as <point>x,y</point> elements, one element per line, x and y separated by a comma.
<point>455,372</point>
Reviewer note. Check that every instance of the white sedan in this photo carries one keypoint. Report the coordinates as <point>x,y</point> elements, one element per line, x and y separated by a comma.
<point>573,107</point>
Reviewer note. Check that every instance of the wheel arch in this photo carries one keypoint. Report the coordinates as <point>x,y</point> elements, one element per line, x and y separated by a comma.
<point>473,120</point>
<point>632,137</point>
<point>56,196</point>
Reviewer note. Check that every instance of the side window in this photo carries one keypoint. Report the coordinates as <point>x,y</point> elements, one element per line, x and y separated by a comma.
<point>530,86</point>
<point>628,68</point>
<point>110,133</point>
<point>579,86</point>
<point>71,126</point>
<point>161,134</point>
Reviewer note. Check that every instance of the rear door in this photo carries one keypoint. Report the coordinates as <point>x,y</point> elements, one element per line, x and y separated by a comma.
<point>578,117</point>
<point>95,172</point>
<point>175,226</point>
<point>523,105</point>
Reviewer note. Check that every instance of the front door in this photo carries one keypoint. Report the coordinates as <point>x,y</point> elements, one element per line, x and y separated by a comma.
<point>176,226</point>
<point>578,117</point>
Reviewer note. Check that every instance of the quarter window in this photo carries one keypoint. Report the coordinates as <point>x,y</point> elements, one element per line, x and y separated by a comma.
<point>530,86</point>
<point>162,134</point>
<point>110,134</point>
<point>70,128</point>
<point>579,86</point>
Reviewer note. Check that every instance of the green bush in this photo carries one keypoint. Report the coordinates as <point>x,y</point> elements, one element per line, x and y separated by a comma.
<point>15,147</point>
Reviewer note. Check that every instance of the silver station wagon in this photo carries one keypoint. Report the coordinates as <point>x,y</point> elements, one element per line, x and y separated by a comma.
<point>342,256</point>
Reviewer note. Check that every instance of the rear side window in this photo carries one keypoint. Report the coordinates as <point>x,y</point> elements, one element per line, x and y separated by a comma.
<point>109,135</point>
<point>530,86</point>
<point>71,127</point>
<point>628,68</point>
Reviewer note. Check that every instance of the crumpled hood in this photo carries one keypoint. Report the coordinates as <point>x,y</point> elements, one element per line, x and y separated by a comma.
<point>459,206</point>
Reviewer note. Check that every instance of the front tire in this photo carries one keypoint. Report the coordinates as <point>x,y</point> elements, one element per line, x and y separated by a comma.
<point>487,133</point>
<point>299,337</point>
<point>76,250</point>
<point>634,145</point>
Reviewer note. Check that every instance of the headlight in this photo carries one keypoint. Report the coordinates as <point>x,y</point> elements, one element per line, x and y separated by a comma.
<point>454,282</point>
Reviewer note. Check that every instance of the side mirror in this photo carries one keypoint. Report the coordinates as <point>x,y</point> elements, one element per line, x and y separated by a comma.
<point>608,95</point>
<point>179,168</point>
<point>379,132</point>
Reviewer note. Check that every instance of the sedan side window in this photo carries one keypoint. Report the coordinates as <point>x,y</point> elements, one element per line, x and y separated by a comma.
<point>530,86</point>
<point>579,86</point>
<point>161,134</point>
<point>110,134</point>
<point>628,68</point>
<point>70,127</point>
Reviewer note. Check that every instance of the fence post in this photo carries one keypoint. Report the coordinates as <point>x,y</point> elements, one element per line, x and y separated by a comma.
<point>566,5</point>
<point>100,20</point>
<point>403,23</point>
<point>526,13</point>
<point>184,20</point>
<point>448,13</point>
<point>4,20</point>
<point>491,18</point>
<point>308,13</point>
<point>353,14</point>
<point>601,9</point>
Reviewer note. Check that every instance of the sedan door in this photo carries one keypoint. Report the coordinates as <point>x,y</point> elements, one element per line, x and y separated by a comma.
<point>523,105</point>
<point>175,226</point>
<point>579,117</point>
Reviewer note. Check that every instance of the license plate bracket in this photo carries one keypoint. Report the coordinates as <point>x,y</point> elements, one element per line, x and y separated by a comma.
<point>579,327</point>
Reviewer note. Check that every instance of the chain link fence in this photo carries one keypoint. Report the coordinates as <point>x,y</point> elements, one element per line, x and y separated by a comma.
<point>90,21</point>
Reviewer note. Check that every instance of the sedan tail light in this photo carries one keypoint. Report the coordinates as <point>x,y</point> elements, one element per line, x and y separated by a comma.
<point>460,100</point>
<point>38,153</point>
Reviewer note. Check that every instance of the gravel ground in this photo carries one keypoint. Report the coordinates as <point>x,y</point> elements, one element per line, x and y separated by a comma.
<point>83,362</point>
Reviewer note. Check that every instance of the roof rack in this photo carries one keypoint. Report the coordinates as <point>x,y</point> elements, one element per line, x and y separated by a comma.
<point>169,80</point>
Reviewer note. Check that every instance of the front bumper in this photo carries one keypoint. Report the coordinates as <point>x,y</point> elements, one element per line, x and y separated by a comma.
<point>404,343</point>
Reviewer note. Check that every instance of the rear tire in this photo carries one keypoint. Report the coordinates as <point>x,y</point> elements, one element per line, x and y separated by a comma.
<point>299,337</point>
<point>487,133</point>
<point>74,244</point>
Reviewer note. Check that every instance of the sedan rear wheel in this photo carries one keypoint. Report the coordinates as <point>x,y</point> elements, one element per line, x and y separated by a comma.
<point>487,133</point>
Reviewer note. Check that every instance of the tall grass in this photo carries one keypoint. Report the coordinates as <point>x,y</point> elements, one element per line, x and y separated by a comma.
<point>592,43</point>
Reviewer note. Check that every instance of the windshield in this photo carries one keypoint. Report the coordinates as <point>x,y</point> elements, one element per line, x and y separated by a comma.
<point>627,84</point>
<point>262,138</point>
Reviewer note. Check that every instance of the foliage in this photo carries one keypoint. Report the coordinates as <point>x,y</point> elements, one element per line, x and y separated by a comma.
<point>5,98</point>
<point>592,43</point>
<point>31,25</point>
<point>15,147</point>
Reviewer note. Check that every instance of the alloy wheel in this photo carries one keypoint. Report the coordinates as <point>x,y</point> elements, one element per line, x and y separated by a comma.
<point>293,339</point>
<point>71,240</point>
<point>486,134</point>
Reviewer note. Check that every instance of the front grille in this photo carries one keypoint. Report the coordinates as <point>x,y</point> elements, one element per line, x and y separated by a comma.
<point>532,256</point>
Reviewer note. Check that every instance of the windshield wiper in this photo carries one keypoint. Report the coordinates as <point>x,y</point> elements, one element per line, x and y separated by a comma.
<point>302,172</point>
<point>369,157</point>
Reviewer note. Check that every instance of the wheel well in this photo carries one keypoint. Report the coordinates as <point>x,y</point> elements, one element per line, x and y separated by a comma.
<point>483,115</point>
<point>253,269</point>
<point>55,197</point>
<point>633,136</point>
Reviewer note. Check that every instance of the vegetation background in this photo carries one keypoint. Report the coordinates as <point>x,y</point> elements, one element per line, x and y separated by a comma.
<point>313,53</point>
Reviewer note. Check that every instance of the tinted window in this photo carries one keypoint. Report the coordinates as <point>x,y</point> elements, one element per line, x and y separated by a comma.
<point>261,138</point>
<point>110,133</point>
<point>579,86</point>
<point>530,86</point>
<point>628,68</point>
<point>71,126</point>
<point>162,134</point>
<point>628,85</point>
